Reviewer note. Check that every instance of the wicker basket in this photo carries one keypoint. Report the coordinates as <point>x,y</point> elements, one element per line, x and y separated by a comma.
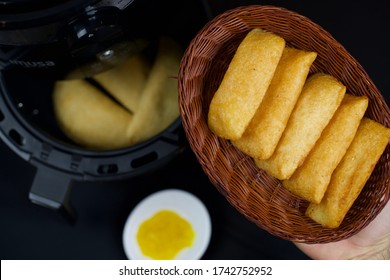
<point>258,196</point>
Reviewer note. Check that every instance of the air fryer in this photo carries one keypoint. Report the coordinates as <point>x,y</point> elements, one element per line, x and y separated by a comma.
<point>40,42</point>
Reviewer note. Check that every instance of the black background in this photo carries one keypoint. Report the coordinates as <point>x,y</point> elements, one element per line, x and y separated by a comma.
<point>28,231</point>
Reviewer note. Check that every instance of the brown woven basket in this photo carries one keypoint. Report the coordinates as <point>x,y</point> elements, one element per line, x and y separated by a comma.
<point>258,196</point>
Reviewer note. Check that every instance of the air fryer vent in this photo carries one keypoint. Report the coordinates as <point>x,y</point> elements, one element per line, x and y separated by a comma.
<point>146,159</point>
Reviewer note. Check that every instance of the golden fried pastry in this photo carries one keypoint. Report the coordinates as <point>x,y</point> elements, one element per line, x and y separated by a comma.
<point>245,83</point>
<point>351,174</point>
<point>126,81</point>
<point>264,131</point>
<point>319,100</point>
<point>89,117</point>
<point>311,179</point>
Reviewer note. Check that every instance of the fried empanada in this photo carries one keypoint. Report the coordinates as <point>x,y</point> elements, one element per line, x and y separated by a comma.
<point>245,83</point>
<point>265,129</point>
<point>311,179</point>
<point>351,174</point>
<point>319,100</point>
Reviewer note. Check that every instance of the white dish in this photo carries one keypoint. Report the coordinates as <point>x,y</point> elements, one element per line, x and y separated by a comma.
<point>186,205</point>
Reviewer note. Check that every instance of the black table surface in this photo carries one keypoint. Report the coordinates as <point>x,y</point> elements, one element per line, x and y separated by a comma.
<point>28,231</point>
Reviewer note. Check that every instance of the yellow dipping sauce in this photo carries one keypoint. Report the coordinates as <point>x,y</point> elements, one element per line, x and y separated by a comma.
<point>164,235</point>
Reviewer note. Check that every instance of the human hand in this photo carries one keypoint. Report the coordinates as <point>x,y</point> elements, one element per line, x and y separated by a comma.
<point>372,242</point>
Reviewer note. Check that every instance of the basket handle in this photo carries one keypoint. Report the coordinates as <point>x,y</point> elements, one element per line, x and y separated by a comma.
<point>51,189</point>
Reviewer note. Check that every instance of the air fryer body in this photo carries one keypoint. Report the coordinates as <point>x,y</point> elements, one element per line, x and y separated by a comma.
<point>43,41</point>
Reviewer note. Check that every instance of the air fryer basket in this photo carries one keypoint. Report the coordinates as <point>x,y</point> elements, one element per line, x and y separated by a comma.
<point>29,128</point>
